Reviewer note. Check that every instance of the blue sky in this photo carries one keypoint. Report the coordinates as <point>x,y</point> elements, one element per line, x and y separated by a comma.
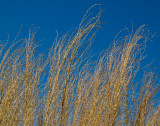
<point>62,15</point>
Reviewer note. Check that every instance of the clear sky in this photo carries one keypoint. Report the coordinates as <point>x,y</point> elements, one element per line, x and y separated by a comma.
<point>62,15</point>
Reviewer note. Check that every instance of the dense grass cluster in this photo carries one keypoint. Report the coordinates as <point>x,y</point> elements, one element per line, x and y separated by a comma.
<point>69,87</point>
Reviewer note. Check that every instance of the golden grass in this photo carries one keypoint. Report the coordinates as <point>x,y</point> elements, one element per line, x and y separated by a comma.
<point>78,91</point>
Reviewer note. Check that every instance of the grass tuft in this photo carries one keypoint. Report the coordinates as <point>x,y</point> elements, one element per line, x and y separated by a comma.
<point>66,88</point>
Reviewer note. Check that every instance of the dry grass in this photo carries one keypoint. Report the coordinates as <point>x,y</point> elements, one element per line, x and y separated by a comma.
<point>78,91</point>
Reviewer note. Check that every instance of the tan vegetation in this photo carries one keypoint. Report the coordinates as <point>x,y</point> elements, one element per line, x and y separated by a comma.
<point>78,90</point>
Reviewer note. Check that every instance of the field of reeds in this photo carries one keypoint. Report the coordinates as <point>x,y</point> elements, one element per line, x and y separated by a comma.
<point>67,87</point>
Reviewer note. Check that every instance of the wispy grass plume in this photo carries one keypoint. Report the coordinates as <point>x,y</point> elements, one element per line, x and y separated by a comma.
<point>68,87</point>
